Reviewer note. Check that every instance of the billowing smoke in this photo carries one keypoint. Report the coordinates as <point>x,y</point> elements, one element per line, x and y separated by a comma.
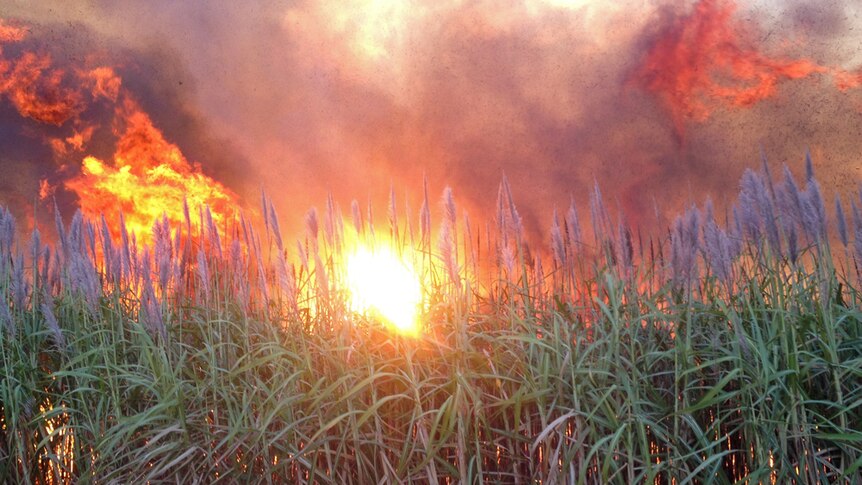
<point>661,103</point>
<point>85,133</point>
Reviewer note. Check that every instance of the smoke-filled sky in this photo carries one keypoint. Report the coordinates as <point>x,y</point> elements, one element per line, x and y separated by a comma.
<point>661,102</point>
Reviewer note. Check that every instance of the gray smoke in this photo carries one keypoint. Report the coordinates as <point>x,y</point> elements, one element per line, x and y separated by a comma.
<point>350,96</point>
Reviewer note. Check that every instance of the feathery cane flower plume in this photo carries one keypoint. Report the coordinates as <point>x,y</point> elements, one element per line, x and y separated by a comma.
<point>792,244</point>
<point>392,212</point>
<point>449,205</point>
<point>329,222</point>
<point>275,227</point>
<point>52,325</point>
<point>750,198</point>
<point>213,235</point>
<point>152,313</point>
<point>767,174</point>
<point>446,245</point>
<point>134,261</point>
<point>36,251</point>
<point>90,238</point>
<point>599,215</point>
<point>735,232</point>
<point>6,318</point>
<point>7,233</point>
<point>507,259</point>
<point>82,234</point>
<point>357,216</point>
<point>540,280</point>
<point>573,225</point>
<point>789,202</point>
<point>450,217</point>
<point>163,251</point>
<point>717,246</point>
<point>760,191</point>
<point>20,286</point>
<point>178,262</point>
<point>842,221</point>
<point>311,227</point>
<point>246,226</point>
<point>517,223</point>
<point>77,237</point>
<point>557,244</point>
<point>370,218</point>
<point>809,166</point>
<point>46,269</point>
<point>770,221</point>
<point>626,250</point>
<point>203,273</point>
<point>684,247</point>
<point>150,310</point>
<point>84,280</point>
<point>265,208</point>
<point>814,211</point>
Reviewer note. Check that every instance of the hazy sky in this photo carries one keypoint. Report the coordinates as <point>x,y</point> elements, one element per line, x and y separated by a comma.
<point>348,96</point>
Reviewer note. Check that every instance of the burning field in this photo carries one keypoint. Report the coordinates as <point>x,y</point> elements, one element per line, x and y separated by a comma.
<point>650,273</point>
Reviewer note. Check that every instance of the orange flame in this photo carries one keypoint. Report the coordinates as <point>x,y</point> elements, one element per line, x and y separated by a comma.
<point>147,177</point>
<point>45,189</point>
<point>701,58</point>
<point>846,81</point>
<point>11,33</point>
<point>104,81</point>
<point>72,143</point>
<point>35,93</point>
<point>38,94</point>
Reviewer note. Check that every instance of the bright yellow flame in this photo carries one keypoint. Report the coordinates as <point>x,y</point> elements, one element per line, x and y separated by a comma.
<point>383,284</point>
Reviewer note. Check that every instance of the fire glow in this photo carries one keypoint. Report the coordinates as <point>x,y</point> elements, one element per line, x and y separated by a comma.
<point>694,62</point>
<point>146,178</point>
<point>383,285</point>
<point>476,342</point>
<point>684,65</point>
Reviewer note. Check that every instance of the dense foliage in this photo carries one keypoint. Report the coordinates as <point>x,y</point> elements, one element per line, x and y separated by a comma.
<point>719,353</point>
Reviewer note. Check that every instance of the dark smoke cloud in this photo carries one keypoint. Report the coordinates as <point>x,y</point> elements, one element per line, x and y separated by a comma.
<point>310,96</point>
<point>67,51</point>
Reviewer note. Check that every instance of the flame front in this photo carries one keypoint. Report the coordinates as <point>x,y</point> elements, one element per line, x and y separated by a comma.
<point>384,285</point>
<point>701,60</point>
<point>147,176</point>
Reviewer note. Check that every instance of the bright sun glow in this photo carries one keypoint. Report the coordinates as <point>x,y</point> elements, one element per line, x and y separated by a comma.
<point>382,284</point>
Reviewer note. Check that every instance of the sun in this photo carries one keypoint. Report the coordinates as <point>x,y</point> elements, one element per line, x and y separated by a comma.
<point>384,285</point>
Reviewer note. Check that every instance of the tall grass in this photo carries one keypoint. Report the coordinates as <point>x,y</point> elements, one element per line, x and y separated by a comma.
<point>723,352</point>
